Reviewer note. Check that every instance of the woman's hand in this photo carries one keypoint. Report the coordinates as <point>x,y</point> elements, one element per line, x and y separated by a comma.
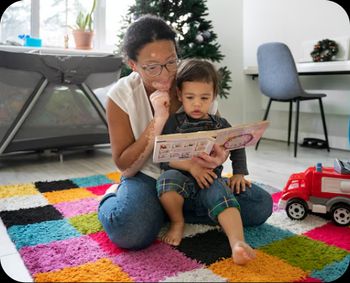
<point>238,183</point>
<point>204,176</point>
<point>160,101</point>
<point>217,157</point>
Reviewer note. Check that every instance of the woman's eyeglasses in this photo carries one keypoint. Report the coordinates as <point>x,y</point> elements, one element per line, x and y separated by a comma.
<point>154,70</point>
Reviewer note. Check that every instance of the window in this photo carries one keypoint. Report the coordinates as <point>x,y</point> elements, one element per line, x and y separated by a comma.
<point>52,26</point>
<point>15,21</point>
<point>50,20</point>
<point>114,18</point>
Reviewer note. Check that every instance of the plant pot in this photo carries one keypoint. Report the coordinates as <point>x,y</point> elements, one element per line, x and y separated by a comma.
<point>83,39</point>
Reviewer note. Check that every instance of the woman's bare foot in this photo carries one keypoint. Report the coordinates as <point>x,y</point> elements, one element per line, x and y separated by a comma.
<point>242,253</point>
<point>174,235</point>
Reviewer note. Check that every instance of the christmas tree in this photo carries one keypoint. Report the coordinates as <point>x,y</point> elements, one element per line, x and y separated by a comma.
<point>194,32</point>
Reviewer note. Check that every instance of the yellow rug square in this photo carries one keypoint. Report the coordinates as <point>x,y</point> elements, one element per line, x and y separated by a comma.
<point>264,268</point>
<point>7,191</point>
<point>102,270</point>
<point>68,195</point>
<point>115,176</point>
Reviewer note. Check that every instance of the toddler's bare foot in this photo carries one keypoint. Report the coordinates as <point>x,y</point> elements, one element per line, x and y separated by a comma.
<point>242,253</point>
<point>174,235</point>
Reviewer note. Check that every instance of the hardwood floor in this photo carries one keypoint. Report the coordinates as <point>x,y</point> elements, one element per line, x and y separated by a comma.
<point>46,167</point>
<point>272,164</point>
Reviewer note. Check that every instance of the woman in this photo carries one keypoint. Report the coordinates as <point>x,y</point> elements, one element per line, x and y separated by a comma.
<point>137,109</point>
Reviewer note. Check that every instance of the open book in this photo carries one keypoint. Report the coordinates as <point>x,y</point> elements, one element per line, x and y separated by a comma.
<point>175,147</point>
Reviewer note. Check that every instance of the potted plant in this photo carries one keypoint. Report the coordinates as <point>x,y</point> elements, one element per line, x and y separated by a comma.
<point>83,30</point>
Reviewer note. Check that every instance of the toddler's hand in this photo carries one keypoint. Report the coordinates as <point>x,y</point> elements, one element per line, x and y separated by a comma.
<point>160,101</point>
<point>238,183</point>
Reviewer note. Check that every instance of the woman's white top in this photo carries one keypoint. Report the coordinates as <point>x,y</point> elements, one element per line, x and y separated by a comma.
<point>130,95</point>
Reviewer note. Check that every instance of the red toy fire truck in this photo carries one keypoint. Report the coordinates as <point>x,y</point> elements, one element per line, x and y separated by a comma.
<point>320,190</point>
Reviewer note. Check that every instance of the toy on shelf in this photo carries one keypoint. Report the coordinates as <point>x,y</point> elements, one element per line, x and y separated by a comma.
<point>321,190</point>
<point>30,41</point>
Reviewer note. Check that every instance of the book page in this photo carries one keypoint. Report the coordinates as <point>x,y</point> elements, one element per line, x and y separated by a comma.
<point>181,149</point>
<point>241,136</point>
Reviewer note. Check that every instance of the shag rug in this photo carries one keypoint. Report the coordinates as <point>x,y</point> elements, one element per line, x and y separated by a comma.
<point>55,228</point>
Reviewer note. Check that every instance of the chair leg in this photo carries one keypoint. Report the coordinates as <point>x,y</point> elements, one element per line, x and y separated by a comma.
<point>296,128</point>
<point>290,120</point>
<point>324,123</point>
<point>265,117</point>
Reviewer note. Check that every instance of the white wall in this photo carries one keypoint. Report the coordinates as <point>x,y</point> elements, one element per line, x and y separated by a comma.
<point>241,25</point>
<point>227,20</point>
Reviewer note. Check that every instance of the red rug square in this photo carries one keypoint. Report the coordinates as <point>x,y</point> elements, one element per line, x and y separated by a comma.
<point>331,234</point>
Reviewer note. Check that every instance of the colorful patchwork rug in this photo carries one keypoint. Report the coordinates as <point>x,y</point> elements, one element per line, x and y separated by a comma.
<point>55,228</point>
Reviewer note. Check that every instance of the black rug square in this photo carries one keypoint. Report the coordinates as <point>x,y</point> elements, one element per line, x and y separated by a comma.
<point>206,247</point>
<point>30,215</point>
<point>44,187</point>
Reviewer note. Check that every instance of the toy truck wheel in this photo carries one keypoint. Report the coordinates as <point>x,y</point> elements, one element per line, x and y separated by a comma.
<point>341,214</point>
<point>296,209</point>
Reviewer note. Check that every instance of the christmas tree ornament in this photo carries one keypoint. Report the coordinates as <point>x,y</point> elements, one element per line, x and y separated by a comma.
<point>206,34</point>
<point>199,38</point>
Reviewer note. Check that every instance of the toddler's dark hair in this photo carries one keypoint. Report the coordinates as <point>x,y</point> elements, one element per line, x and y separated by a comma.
<point>146,29</point>
<point>197,70</point>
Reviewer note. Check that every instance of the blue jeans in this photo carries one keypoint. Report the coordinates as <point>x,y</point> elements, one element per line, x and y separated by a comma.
<point>133,216</point>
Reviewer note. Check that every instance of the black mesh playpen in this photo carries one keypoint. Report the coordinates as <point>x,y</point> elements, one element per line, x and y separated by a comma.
<point>54,101</point>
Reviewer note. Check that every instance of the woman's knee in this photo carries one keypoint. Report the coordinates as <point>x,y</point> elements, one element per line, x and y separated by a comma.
<point>133,217</point>
<point>139,230</point>
<point>256,206</point>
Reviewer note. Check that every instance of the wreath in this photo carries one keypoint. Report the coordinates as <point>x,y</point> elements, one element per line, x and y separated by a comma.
<point>324,50</point>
